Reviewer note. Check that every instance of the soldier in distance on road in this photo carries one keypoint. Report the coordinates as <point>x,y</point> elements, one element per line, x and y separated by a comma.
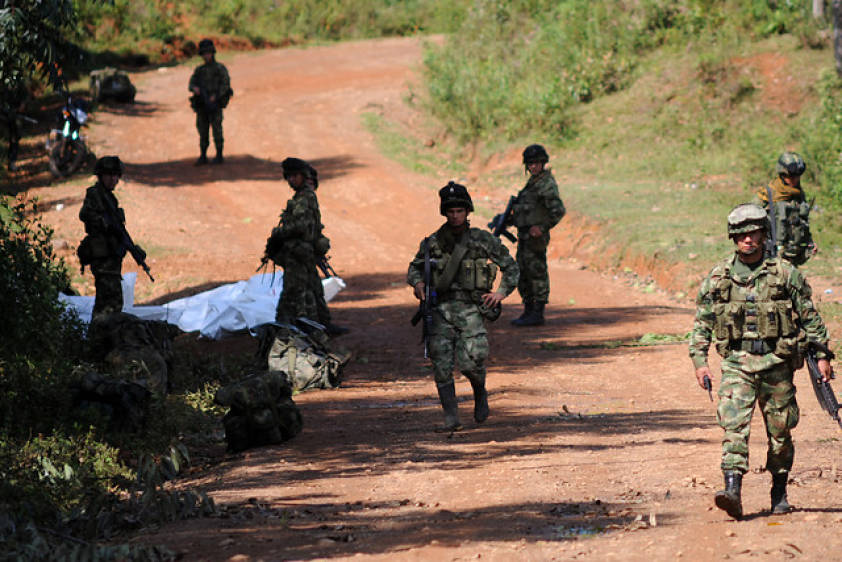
<point>793,242</point>
<point>463,264</point>
<point>538,208</point>
<point>758,312</point>
<point>296,244</point>
<point>211,88</point>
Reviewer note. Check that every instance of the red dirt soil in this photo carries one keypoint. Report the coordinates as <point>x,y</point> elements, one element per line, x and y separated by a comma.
<point>591,451</point>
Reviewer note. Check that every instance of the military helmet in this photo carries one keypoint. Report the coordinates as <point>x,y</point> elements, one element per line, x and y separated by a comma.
<point>454,195</point>
<point>206,46</point>
<point>314,176</point>
<point>747,217</point>
<point>108,165</point>
<point>535,153</point>
<point>790,164</point>
<point>294,165</point>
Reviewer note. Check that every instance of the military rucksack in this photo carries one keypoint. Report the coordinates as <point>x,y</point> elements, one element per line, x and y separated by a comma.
<point>306,357</point>
<point>110,83</point>
<point>261,411</point>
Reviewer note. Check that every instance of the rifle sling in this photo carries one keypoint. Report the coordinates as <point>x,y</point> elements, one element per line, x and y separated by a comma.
<point>452,267</point>
<point>774,222</point>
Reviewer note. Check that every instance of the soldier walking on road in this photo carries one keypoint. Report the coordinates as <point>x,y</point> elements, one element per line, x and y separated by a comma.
<point>211,88</point>
<point>102,246</point>
<point>538,208</point>
<point>759,313</point>
<point>791,213</point>
<point>296,244</point>
<point>461,278</point>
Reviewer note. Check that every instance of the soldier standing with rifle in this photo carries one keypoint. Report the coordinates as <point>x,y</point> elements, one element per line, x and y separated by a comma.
<point>759,313</point>
<point>211,88</point>
<point>297,245</point>
<point>536,210</point>
<point>106,241</point>
<point>453,263</point>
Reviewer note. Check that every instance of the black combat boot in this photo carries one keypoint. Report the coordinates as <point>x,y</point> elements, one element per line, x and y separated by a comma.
<point>534,318</point>
<point>480,396</point>
<point>203,158</point>
<point>218,159</point>
<point>447,397</point>
<point>779,503</point>
<point>730,499</point>
<point>527,309</point>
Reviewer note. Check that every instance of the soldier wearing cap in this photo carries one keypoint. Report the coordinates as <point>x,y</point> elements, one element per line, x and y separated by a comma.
<point>211,88</point>
<point>793,240</point>
<point>103,248</point>
<point>759,313</point>
<point>296,244</point>
<point>464,263</point>
<point>537,210</point>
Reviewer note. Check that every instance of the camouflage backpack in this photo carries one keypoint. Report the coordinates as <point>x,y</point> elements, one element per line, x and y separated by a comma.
<point>261,411</point>
<point>307,358</point>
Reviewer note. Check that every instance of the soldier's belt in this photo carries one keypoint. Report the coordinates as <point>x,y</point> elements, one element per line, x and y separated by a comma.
<point>755,347</point>
<point>456,295</point>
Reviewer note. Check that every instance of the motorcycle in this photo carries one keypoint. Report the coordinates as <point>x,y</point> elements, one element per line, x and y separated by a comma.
<point>66,147</point>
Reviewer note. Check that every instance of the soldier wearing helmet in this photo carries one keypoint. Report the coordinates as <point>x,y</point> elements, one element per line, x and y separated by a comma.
<point>758,312</point>
<point>538,208</point>
<point>792,238</point>
<point>211,89</point>
<point>462,262</point>
<point>103,248</point>
<point>296,244</point>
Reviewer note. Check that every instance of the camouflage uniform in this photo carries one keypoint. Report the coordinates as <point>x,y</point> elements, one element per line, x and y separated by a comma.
<point>538,204</point>
<point>792,220</point>
<point>212,78</point>
<point>296,235</point>
<point>459,338</point>
<point>758,316</point>
<point>106,252</point>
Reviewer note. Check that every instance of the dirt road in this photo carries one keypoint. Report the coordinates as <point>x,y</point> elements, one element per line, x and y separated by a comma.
<point>592,450</point>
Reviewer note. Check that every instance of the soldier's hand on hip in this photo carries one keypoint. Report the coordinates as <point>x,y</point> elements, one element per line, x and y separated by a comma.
<point>419,290</point>
<point>535,231</point>
<point>826,369</point>
<point>701,373</point>
<point>492,299</point>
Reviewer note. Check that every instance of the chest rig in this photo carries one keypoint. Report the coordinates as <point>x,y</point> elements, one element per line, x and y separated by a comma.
<point>755,315</point>
<point>528,209</point>
<point>464,273</point>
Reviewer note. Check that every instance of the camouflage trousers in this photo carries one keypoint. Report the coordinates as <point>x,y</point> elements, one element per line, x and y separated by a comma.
<point>303,293</point>
<point>773,391</point>
<point>108,283</point>
<point>213,121</point>
<point>534,282</point>
<point>459,339</point>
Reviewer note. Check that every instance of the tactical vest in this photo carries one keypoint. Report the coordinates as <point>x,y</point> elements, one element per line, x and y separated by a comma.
<point>473,276</point>
<point>755,317</point>
<point>529,210</point>
<point>793,233</point>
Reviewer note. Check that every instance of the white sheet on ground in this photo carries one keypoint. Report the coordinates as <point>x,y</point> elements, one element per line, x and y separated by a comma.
<point>228,308</point>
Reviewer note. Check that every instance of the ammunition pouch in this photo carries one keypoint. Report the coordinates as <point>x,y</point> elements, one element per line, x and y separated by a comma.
<point>322,245</point>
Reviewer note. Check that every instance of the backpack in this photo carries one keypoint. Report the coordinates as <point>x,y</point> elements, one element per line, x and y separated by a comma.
<point>261,411</point>
<point>306,357</point>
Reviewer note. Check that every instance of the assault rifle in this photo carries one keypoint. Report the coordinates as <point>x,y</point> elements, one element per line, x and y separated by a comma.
<point>772,240</point>
<point>500,222</point>
<point>824,392</point>
<point>116,226</point>
<point>327,269</point>
<point>426,306</point>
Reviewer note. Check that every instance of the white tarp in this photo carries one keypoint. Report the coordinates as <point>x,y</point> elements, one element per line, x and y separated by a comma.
<point>228,308</point>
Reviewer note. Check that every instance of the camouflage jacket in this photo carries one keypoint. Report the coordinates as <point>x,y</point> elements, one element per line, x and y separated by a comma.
<point>99,210</point>
<point>475,274</point>
<point>792,220</point>
<point>756,320</point>
<point>538,204</point>
<point>300,227</point>
<point>212,78</point>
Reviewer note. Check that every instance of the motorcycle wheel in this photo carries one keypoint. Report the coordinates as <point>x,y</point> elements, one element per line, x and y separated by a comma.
<point>66,156</point>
